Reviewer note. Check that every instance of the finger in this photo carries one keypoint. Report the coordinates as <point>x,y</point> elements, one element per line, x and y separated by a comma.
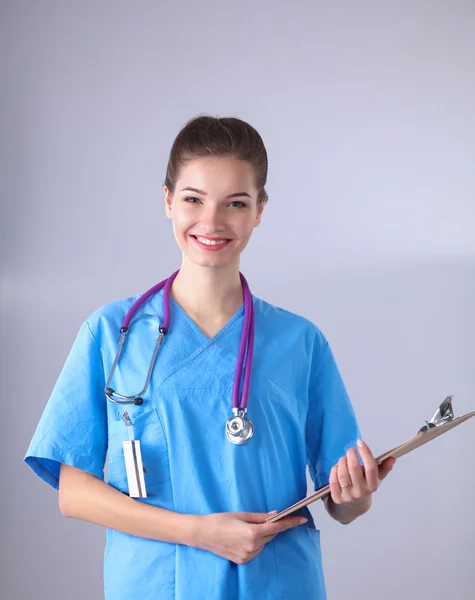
<point>242,559</point>
<point>255,553</point>
<point>296,522</point>
<point>344,478</point>
<point>281,525</point>
<point>385,467</point>
<point>335,488</point>
<point>250,517</point>
<point>371,472</point>
<point>357,476</point>
<point>289,522</point>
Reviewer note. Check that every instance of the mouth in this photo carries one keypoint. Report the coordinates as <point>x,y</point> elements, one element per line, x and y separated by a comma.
<point>210,243</point>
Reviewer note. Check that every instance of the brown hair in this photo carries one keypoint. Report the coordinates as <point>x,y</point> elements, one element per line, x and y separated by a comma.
<point>218,136</point>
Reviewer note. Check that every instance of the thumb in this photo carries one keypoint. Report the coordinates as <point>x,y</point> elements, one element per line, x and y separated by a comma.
<point>385,467</point>
<point>251,517</point>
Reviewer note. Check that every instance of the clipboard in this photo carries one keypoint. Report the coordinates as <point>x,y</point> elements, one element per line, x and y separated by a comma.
<point>442,421</point>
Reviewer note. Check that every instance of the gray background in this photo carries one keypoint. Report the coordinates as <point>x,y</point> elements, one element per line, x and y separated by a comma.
<point>367,111</point>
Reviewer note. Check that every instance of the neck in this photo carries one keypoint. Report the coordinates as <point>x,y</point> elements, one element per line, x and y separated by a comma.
<point>208,292</point>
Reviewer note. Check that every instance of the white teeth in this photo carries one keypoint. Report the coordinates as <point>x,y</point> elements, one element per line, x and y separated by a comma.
<point>210,242</point>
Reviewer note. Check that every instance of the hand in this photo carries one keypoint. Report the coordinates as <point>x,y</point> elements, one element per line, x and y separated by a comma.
<point>352,484</point>
<point>241,536</point>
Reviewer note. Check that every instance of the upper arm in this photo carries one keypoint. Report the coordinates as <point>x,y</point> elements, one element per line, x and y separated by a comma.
<point>73,427</point>
<point>69,479</point>
<point>331,426</point>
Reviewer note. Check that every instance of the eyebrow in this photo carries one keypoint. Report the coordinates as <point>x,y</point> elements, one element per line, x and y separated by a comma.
<point>197,191</point>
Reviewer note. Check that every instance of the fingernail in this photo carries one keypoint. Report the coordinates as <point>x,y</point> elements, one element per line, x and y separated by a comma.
<point>271,512</point>
<point>360,443</point>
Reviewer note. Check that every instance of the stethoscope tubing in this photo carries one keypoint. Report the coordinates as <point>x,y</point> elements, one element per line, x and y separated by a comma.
<point>246,344</point>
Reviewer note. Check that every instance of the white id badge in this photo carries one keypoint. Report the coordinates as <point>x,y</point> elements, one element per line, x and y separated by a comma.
<point>134,468</point>
<point>133,461</point>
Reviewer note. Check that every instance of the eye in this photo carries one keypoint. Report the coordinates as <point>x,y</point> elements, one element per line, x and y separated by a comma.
<point>238,204</point>
<point>192,199</point>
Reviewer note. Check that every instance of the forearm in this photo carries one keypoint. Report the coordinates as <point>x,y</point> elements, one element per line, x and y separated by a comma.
<point>83,496</point>
<point>346,513</point>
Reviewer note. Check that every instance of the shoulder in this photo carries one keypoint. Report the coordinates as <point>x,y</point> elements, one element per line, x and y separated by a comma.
<point>274,318</point>
<point>109,316</point>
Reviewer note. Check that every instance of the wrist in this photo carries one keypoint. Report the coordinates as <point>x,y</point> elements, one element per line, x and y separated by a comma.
<point>363,503</point>
<point>348,512</point>
<point>195,531</point>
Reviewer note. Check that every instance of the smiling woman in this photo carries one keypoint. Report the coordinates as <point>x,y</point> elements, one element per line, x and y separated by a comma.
<point>213,220</point>
<point>192,479</point>
<point>224,164</point>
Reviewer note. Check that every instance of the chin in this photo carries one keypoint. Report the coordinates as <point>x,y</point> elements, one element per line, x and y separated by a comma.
<point>210,262</point>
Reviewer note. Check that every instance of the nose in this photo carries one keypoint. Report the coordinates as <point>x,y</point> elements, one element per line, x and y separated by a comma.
<point>211,218</point>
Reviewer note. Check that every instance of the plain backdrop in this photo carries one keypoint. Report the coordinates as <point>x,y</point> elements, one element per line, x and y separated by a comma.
<point>367,112</point>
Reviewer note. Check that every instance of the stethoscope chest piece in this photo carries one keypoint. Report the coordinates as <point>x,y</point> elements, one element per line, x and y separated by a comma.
<point>239,429</point>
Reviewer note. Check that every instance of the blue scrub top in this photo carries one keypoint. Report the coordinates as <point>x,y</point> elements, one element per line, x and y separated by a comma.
<point>301,413</point>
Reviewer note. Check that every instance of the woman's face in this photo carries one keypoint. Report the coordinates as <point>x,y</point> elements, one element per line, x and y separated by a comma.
<point>214,210</point>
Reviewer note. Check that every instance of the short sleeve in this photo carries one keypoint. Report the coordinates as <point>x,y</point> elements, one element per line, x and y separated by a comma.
<point>73,427</point>
<point>332,427</point>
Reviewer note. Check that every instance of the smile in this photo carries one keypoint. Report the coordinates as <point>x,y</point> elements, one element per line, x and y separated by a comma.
<point>211,244</point>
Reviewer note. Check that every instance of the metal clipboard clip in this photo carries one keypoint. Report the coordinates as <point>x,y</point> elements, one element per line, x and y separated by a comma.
<point>443,414</point>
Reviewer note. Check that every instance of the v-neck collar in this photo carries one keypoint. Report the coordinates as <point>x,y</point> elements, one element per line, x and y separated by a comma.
<point>200,333</point>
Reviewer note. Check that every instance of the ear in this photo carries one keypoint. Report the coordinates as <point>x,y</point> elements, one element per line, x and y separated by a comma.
<point>168,202</point>
<point>260,210</point>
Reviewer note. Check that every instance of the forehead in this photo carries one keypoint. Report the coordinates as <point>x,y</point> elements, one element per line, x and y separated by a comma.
<point>217,176</point>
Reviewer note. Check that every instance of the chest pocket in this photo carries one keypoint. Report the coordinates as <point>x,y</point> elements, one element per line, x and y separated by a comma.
<point>153,446</point>
<point>278,395</point>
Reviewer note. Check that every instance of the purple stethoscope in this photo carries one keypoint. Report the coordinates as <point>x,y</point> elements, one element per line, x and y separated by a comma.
<point>239,429</point>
